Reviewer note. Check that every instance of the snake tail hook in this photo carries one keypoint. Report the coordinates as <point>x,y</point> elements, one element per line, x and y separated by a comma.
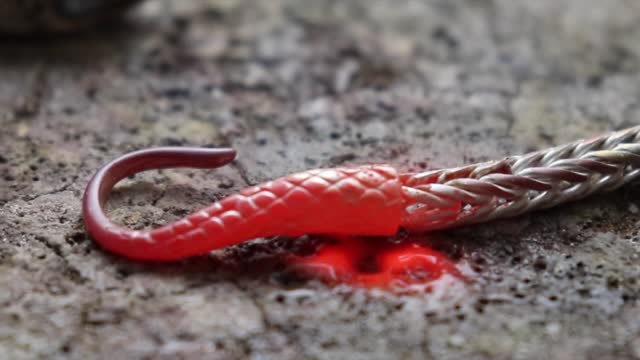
<point>363,200</point>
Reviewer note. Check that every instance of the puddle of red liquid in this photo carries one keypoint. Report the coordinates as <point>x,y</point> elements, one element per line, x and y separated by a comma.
<point>370,263</point>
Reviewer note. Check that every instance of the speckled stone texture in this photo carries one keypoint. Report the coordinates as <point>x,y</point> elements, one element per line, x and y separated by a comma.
<point>296,84</point>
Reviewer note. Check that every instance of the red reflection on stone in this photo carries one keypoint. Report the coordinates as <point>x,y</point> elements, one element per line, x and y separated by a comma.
<point>375,264</point>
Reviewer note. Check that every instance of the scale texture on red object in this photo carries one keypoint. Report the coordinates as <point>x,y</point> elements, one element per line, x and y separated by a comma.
<point>353,200</point>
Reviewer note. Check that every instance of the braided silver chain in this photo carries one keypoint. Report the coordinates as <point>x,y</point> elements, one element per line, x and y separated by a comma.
<point>481,192</point>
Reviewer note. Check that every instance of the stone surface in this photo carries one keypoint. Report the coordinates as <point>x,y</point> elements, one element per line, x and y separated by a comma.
<point>295,84</point>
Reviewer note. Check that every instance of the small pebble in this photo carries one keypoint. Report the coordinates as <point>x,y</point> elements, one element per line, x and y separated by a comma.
<point>456,340</point>
<point>553,329</point>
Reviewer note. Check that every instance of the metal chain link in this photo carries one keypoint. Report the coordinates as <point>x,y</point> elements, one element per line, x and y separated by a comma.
<point>481,192</point>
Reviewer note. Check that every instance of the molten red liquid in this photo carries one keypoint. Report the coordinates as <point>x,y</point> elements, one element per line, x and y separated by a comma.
<point>375,264</point>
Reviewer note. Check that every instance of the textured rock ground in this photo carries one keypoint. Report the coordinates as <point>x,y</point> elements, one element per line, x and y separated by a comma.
<point>294,84</point>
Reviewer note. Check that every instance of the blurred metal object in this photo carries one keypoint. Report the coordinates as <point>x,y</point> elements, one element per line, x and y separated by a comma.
<point>518,184</point>
<point>43,16</point>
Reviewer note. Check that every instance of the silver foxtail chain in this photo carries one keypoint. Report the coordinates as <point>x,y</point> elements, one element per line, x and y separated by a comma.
<point>518,184</point>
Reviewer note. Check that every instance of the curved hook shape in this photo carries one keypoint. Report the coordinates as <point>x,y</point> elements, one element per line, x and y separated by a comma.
<point>126,241</point>
<point>365,200</point>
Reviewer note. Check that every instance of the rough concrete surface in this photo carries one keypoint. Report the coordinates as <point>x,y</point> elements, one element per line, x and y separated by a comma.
<point>296,84</point>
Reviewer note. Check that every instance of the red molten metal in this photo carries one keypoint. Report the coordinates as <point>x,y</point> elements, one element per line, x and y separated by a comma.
<point>373,264</point>
<point>365,200</point>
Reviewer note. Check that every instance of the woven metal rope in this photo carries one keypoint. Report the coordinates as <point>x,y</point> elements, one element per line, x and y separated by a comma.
<point>518,184</point>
